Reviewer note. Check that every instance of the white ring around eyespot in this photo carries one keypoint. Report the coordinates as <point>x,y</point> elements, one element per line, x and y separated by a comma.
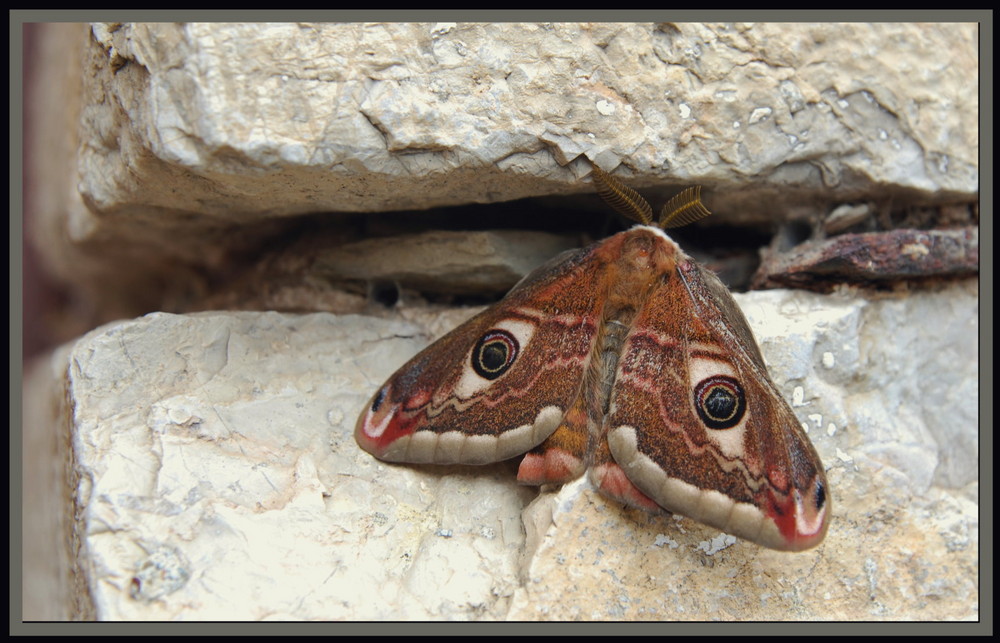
<point>728,441</point>
<point>471,383</point>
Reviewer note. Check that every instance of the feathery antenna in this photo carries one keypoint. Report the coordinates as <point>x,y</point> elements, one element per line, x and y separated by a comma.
<point>679,211</point>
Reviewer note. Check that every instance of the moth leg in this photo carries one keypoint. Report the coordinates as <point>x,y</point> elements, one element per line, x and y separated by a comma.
<point>561,457</point>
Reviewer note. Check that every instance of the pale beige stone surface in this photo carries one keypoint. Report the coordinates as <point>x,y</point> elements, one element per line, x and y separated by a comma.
<point>227,484</point>
<point>217,478</point>
<point>337,109</point>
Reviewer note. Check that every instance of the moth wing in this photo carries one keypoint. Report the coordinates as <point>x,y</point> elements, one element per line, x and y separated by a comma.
<point>696,424</point>
<point>500,384</point>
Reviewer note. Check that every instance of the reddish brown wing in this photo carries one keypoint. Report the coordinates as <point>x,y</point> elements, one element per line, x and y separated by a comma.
<point>501,383</point>
<point>696,424</point>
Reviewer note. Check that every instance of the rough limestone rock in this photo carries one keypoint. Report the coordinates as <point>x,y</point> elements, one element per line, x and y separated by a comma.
<point>183,137</point>
<point>491,261</point>
<point>202,466</point>
<point>215,477</point>
<point>347,111</point>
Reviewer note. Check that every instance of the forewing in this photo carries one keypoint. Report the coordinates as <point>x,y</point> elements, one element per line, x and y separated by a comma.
<point>696,424</point>
<point>500,384</point>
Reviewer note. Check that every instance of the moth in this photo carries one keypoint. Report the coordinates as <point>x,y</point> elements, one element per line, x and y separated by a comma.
<point>626,360</point>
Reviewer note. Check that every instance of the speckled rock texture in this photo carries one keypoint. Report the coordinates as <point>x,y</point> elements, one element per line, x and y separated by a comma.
<point>189,143</point>
<point>191,466</point>
<point>216,477</point>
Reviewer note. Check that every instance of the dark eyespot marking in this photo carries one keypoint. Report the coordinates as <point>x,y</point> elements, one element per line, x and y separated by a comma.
<point>820,495</point>
<point>378,399</point>
<point>720,402</point>
<point>494,353</point>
